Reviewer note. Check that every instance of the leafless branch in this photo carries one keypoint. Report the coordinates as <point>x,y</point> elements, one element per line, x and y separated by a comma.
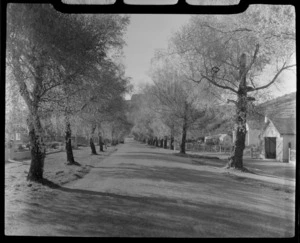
<point>275,77</point>
<point>231,101</point>
<point>253,59</point>
<point>212,81</point>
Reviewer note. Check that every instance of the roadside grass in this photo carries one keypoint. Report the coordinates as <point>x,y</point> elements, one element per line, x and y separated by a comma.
<point>56,170</point>
<point>238,175</point>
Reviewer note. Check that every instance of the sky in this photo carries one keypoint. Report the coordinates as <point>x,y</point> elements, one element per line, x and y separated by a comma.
<point>148,32</point>
<point>145,34</point>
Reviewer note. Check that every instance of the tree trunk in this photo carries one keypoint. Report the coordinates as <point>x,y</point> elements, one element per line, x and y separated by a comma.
<point>236,158</point>
<point>156,141</point>
<point>37,149</point>
<point>36,133</point>
<point>100,143</point>
<point>113,143</point>
<point>92,145</point>
<point>172,143</point>
<point>161,142</point>
<point>100,139</point>
<point>183,138</point>
<point>165,142</point>
<point>172,138</point>
<point>68,141</point>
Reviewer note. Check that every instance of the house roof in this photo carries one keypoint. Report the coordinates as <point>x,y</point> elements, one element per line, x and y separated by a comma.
<point>285,125</point>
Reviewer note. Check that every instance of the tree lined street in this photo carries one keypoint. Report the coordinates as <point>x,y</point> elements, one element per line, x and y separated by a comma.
<point>143,191</point>
<point>199,148</point>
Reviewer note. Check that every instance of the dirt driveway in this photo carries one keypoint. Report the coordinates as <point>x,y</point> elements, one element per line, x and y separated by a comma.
<point>146,192</point>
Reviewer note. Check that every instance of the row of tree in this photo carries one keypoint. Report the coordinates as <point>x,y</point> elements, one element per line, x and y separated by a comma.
<point>66,66</point>
<point>218,58</point>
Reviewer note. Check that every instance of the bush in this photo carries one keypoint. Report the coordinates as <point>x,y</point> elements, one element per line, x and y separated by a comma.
<point>20,147</point>
<point>53,145</point>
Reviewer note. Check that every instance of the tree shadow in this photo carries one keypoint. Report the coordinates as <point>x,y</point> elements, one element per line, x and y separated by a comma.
<point>196,156</point>
<point>49,184</point>
<point>74,163</point>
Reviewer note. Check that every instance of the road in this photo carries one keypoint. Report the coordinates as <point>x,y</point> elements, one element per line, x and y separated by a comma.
<point>140,191</point>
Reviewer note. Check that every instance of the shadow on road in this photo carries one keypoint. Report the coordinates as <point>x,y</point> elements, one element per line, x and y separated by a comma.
<point>89,213</point>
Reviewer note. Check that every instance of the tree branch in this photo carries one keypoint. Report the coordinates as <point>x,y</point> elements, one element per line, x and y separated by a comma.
<point>275,77</point>
<point>218,85</point>
<point>231,101</point>
<point>253,59</point>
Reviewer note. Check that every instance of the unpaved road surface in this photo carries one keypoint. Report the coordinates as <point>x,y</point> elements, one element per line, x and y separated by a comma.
<point>146,192</point>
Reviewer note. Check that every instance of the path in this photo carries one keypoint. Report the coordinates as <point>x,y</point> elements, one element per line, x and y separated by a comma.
<point>146,192</point>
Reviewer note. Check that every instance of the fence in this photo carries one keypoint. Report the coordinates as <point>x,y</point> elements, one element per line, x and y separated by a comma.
<point>197,147</point>
<point>292,155</point>
<point>208,148</point>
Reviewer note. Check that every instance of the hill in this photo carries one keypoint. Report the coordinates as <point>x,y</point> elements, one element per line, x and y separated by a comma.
<point>280,107</point>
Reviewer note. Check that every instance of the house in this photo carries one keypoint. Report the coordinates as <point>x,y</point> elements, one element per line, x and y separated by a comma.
<point>19,137</point>
<point>254,128</point>
<point>277,136</point>
<point>222,139</point>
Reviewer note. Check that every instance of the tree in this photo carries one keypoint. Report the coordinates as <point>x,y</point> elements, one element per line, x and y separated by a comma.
<point>16,111</point>
<point>47,49</point>
<point>104,100</point>
<point>231,53</point>
<point>181,101</point>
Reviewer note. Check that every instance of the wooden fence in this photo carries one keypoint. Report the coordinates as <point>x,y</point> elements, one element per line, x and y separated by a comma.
<point>197,147</point>
<point>208,148</point>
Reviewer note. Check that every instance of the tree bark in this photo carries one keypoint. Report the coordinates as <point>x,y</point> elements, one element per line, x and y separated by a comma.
<point>236,158</point>
<point>100,139</point>
<point>172,138</point>
<point>183,138</point>
<point>100,143</point>
<point>37,149</point>
<point>172,143</point>
<point>165,142</point>
<point>68,141</point>
<point>92,145</point>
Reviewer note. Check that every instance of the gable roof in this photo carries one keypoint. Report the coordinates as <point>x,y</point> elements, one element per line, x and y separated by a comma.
<point>285,126</point>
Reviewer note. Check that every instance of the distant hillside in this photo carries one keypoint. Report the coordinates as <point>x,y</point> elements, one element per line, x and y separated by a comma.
<point>280,107</point>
